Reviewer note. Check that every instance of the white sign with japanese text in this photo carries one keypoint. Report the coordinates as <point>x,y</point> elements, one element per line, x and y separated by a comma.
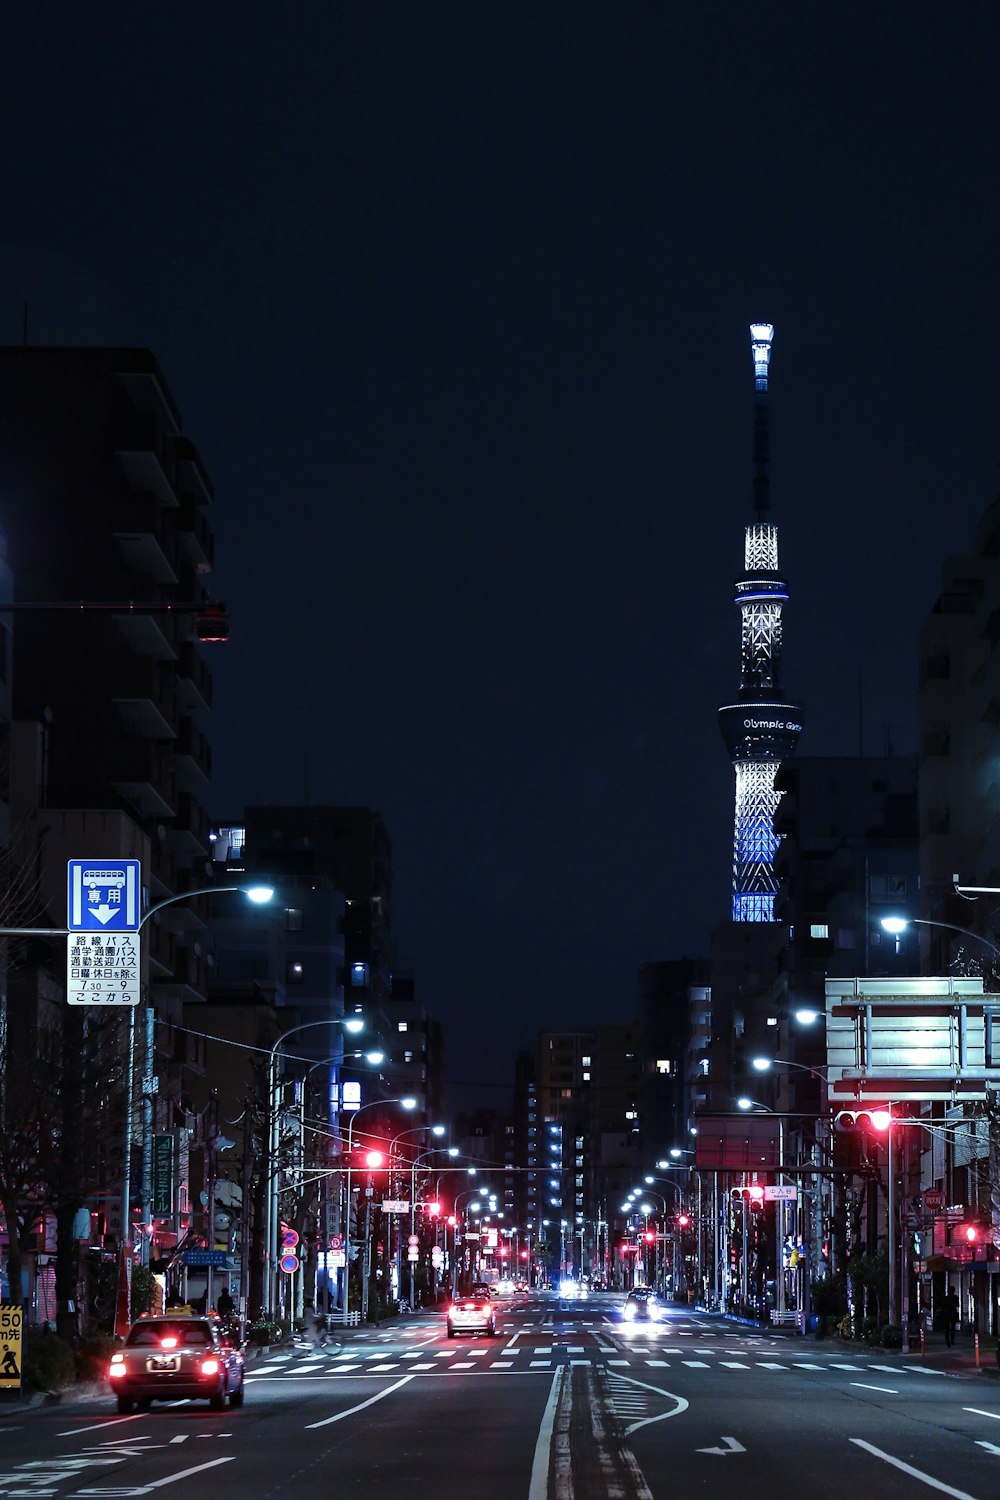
<point>102,968</point>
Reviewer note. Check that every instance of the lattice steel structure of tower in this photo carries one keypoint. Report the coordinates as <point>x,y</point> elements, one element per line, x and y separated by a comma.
<point>761,728</point>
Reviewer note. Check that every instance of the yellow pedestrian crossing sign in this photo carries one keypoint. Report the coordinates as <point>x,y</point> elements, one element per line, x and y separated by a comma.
<point>11,1326</point>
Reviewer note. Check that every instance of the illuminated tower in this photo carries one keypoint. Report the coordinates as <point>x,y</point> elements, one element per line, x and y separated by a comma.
<point>760,728</point>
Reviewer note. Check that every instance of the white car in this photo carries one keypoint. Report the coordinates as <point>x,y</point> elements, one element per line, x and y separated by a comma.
<point>473,1314</point>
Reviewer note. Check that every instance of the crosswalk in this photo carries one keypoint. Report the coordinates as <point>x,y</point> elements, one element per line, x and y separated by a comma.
<point>495,1356</point>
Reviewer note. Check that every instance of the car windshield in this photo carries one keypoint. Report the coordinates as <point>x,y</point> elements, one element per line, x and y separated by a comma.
<point>149,1334</point>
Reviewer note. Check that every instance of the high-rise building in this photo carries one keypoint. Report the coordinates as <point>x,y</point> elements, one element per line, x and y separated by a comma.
<point>106,508</point>
<point>105,500</point>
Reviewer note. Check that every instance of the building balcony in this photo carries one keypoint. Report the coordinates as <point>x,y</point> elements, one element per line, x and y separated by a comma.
<point>189,833</point>
<point>194,755</point>
<point>144,699</point>
<point>195,540</point>
<point>194,680</point>
<point>145,536</point>
<point>191,474</point>
<point>140,771</point>
<point>138,455</point>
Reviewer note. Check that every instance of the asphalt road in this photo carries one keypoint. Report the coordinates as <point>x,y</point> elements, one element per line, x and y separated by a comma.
<point>567,1402</point>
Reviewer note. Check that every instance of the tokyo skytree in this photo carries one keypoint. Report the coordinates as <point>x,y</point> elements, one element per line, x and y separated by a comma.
<point>761,728</point>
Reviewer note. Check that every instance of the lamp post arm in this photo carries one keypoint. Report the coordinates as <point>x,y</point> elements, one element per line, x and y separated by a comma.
<point>954,927</point>
<point>207,890</point>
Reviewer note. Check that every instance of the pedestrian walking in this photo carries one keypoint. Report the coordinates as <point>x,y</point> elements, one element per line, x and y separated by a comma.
<point>315,1325</point>
<point>951,1316</point>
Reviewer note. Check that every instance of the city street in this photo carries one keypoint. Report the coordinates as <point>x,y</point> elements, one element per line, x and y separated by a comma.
<point>566,1402</point>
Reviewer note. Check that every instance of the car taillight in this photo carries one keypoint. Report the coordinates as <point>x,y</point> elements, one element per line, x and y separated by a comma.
<point>117,1366</point>
<point>210,1367</point>
<point>168,1343</point>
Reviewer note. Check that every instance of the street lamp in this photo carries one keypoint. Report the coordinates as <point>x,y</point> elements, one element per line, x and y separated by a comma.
<point>352,1023</point>
<point>406,1101</point>
<point>896,926</point>
<point>259,895</point>
<point>763,1064</point>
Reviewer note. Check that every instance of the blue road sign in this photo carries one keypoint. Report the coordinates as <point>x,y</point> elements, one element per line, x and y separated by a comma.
<point>103,895</point>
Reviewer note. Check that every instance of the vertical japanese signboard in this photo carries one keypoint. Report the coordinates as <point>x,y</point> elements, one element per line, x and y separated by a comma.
<point>103,917</point>
<point>163,1176</point>
<point>11,1320</point>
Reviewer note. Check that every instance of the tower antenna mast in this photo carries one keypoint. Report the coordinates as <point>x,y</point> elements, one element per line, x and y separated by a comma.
<point>761,728</point>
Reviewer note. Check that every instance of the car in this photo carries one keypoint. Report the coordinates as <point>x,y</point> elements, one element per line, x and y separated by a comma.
<point>642,1305</point>
<point>170,1356</point>
<point>481,1289</point>
<point>472,1314</point>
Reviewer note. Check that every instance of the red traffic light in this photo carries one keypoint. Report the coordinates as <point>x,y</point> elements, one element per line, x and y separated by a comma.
<point>374,1159</point>
<point>968,1234</point>
<point>874,1121</point>
<point>211,623</point>
<point>683,1220</point>
<point>433,1209</point>
<point>650,1237</point>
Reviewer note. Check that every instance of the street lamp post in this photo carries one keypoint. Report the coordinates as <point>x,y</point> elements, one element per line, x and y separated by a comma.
<point>271,1197</point>
<point>259,895</point>
<point>407,1102</point>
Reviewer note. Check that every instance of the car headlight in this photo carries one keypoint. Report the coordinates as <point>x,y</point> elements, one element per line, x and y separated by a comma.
<point>628,1311</point>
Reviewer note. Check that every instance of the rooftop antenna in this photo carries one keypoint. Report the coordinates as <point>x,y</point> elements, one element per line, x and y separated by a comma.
<point>761,335</point>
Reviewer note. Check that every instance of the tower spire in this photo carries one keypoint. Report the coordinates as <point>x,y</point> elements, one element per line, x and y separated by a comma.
<point>761,335</point>
<point>761,729</point>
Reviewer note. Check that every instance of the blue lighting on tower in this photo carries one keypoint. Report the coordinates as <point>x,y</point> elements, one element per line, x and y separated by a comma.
<point>760,727</point>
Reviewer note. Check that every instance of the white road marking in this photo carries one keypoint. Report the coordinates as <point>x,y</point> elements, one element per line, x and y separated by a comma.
<point>156,1484</point>
<point>977,1412</point>
<point>340,1415</point>
<point>539,1484</point>
<point>883,1388</point>
<point>897,1463</point>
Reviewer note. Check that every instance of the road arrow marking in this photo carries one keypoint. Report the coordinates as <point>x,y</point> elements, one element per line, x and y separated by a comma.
<point>732,1446</point>
<point>990,1447</point>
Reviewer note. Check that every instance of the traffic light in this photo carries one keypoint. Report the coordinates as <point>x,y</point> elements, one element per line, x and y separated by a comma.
<point>752,1196</point>
<point>650,1237</point>
<point>683,1221</point>
<point>968,1235</point>
<point>211,622</point>
<point>873,1121</point>
<point>374,1160</point>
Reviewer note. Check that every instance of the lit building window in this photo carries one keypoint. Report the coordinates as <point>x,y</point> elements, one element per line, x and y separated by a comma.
<point>663,1065</point>
<point>819,930</point>
<point>403,1026</point>
<point>585,1062</point>
<point>586,1077</point>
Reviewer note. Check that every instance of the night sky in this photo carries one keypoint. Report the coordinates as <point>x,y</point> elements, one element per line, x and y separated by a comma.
<point>454,302</point>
